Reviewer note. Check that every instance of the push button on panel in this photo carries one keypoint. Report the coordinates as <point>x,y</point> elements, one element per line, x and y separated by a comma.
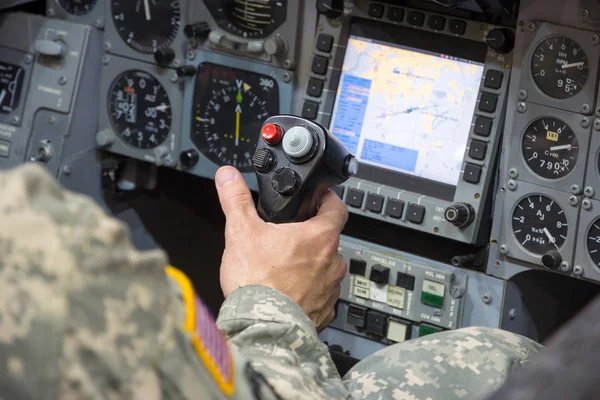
<point>396,297</point>
<point>394,208</point>
<point>415,213</point>
<point>4,148</point>
<point>488,102</point>
<point>432,293</point>
<point>483,126</point>
<point>405,281</point>
<point>319,65</point>
<point>355,198</point>
<point>416,18</point>
<point>380,274</point>
<point>425,330</point>
<point>362,287</point>
<point>493,79</point>
<point>315,87</point>
<point>376,323</point>
<point>398,331</point>
<point>477,150</point>
<point>437,22</point>
<point>356,316</point>
<point>374,203</point>
<point>375,10</point>
<point>324,43</point>
<point>297,142</point>
<point>358,267</point>
<point>395,14</point>
<point>339,190</point>
<point>472,173</point>
<point>310,110</point>
<point>458,27</point>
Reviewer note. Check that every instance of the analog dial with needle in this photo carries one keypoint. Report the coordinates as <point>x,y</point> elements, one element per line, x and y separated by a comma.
<point>230,106</point>
<point>550,148</point>
<point>539,224</point>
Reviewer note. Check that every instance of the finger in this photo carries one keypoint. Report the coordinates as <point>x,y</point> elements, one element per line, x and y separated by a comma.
<point>234,195</point>
<point>332,210</point>
<point>339,269</point>
<point>327,321</point>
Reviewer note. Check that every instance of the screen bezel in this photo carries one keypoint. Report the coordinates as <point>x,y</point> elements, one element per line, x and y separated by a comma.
<point>430,42</point>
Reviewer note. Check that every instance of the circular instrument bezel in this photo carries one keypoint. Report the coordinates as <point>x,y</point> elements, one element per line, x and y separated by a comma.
<point>69,7</point>
<point>226,21</point>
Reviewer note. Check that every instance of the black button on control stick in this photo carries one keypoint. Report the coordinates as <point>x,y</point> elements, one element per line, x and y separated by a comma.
<point>285,181</point>
<point>263,160</point>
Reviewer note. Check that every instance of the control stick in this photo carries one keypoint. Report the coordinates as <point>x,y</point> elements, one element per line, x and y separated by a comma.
<point>296,162</point>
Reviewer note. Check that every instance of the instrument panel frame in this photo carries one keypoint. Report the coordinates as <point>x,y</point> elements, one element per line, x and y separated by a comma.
<point>206,168</point>
<point>517,161</point>
<point>507,236</point>
<point>582,257</point>
<point>534,94</point>
<point>167,153</point>
<point>17,57</point>
<point>94,18</point>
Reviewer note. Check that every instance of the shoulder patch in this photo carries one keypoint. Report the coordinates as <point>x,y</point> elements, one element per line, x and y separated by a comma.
<point>206,338</point>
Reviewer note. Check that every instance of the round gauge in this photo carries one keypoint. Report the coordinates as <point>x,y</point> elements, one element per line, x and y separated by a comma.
<point>550,148</point>
<point>139,109</point>
<point>559,67</point>
<point>230,106</point>
<point>77,7</point>
<point>248,18</point>
<point>147,25</point>
<point>539,224</point>
<point>593,242</point>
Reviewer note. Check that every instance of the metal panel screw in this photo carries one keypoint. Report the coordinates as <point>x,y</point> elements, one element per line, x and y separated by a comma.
<point>521,107</point>
<point>174,77</point>
<point>287,64</point>
<point>512,184</point>
<point>50,12</point>
<point>487,299</point>
<point>99,23</point>
<point>105,59</point>
<point>531,26</point>
<point>585,122</point>
<point>28,58</point>
<point>504,249</point>
<point>586,204</point>
<point>512,313</point>
<point>287,77</point>
<point>586,109</point>
<point>51,120</point>
<point>191,55</point>
<point>575,189</point>
<point>522,94</point>
<point>585,13</point>
<point>597,124</point>
<point>62,80</point>
<point>457,292</point>
<point>595,39</point>
<point>588,191</point>
<point>176,63</point>
<point>573,200</point>
<point>565,266</point>
<point>67,170</point>
<point>15,120</point>
<point>107,46</point>
<point>513,173</point>
<point>577,270</point>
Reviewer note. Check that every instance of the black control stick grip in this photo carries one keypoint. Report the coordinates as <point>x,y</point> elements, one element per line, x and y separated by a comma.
<point>296,162</point>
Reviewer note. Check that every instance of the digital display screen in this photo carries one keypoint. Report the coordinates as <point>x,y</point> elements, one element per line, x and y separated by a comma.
<point>405,109</point>
<point>11,84</point>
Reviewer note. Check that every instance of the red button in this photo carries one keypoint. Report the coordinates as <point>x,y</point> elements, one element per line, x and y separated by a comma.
<point>272,133</point>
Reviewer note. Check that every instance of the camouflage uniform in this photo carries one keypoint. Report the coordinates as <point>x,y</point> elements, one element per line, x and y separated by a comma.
<point>83,315</point>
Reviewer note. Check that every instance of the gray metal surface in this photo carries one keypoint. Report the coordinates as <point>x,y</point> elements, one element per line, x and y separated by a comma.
<point>57,107</point>
<point>167,153</point>
<point>284,79</point>
<point>539,19</point>
<point>588,218</point>
<point>470,299</point>
<point>293,32</point>
<point>475,194</point>
<point>94,18</point>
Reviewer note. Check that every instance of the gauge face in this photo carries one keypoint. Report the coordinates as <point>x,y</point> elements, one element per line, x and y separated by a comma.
<point>230,106</point>
<point>11,85</point>
<point>147,25</point>
<point>139,109</point>
<point>593,242</point>
<point>248,18</point>
<point>77,7</point>
<point>539,224</point>
<point>559,67</point>
<point>550,148</point>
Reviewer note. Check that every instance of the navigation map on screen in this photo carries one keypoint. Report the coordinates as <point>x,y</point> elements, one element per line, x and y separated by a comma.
<point>406,110</point>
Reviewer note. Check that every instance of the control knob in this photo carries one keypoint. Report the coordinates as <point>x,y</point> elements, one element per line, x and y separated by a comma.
<point>331,8</point>
<point>274,46</point>
<point>460,214</point>
<point>164,56</point>
<point>285,181</point>
<point>187,70</point>
<point>197,30</point>
<point>50,48</point>
<point>501,40</point>
<point>552,259</point>
<point>263,160</point>
<point>189,158</point>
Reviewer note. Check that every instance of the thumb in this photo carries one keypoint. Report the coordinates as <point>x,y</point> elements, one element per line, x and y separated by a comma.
<point>234,194</point>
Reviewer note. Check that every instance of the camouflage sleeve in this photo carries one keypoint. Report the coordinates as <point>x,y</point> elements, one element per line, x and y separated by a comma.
<point>281,343</point>
<point>465,364</point>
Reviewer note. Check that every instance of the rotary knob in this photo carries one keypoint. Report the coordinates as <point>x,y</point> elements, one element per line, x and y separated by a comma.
<point>552,259</point>
<point>275,46</point>
<point>197,30</point>
<point>460,214</point>
<point>502,40</point>
<point>164,56</point>
<point>263,160</point>
<point>285,181</point>
<point>331,8</point>
<point>189,158</point>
